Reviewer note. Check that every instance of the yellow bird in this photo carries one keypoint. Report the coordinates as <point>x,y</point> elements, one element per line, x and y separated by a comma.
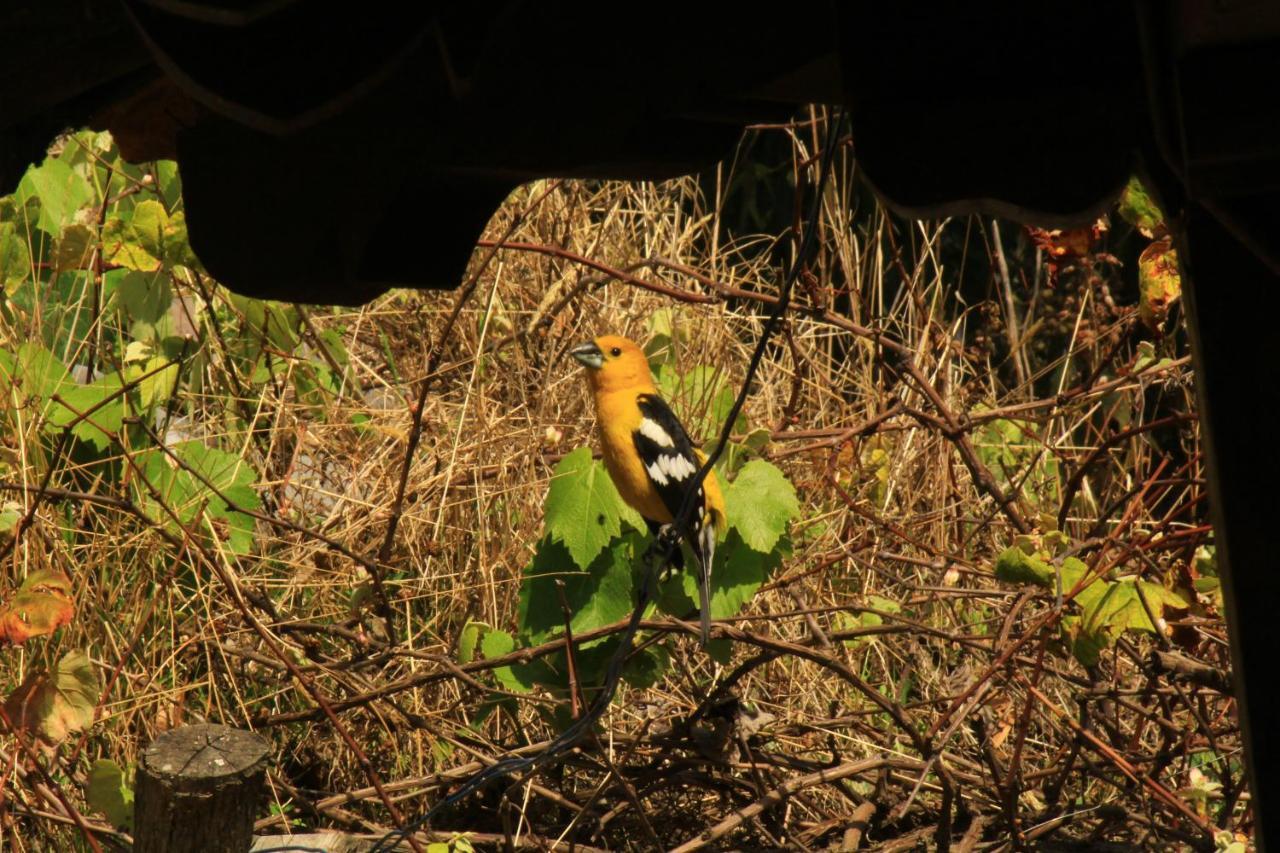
<point>648,453</point>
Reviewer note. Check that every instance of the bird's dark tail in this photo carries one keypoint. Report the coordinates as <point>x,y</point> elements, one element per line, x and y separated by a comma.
<point>706,553</point>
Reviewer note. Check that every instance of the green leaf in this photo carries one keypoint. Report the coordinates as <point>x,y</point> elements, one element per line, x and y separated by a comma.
<point>647,667</point>
<point>36,371</point>
<point>43,376</point>
<point>169,182</point>
<point>183,493</point>
<point>701,395</point>
<point>1146,358</point>
<point>61,191</point>
<point>15,259</point>
<point>600,596</point>
<point>144,298</point>
<point>664,336</point>
<point>136,240</point>
<point>271,322</point>
<point>1085,647</point>
<point>495,644</point>
<point>1009,448</point>
<point>109,792</point>
<point>159,377</point>
<point>10,512</point>
<point>1206,560</point>
<point>100,424</point>
<point>1139,209</point>
<point>737,573</point>
<point>583,509</point>
<point>757,440</point>
<point>1014,565</point>
<point>849,621</point>
<point>1072,570</point>
<point>177,248</point>
<point>760,502</point>
<point>234,478</point>
<point>469,639</point>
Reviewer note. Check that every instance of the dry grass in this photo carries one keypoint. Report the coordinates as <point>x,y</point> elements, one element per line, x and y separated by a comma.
<point>893,520</point>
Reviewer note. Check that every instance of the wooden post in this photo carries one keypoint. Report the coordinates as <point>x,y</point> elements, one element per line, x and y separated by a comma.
<point>198,789</point>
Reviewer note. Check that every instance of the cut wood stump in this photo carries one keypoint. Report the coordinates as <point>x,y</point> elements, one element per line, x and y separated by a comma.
<point>198,789</point>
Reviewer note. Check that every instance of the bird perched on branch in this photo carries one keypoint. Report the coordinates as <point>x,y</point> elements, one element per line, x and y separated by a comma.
<point>649,456</point>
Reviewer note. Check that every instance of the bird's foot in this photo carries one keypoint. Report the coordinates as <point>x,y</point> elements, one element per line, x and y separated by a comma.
<point>669,543</point>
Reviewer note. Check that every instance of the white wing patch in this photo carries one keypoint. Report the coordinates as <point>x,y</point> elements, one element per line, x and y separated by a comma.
<point>654,432</point>
<point>668,467</point>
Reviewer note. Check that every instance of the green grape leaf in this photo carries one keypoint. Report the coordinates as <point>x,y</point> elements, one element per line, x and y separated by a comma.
<point>760,502</point>
<point>61,190</point>
<point>169,181</point>
<point>702,394</point>
<point>495,644</point>
<point>101,402</point>
<point>108,792</point>
<point>646,668</point>
<point>136,240</point>
<point>144,298</point>
<point>737,573</point>
<point>182,492</point>
<point>469,640</point>
<point>1139,209</point>
<point>601,595</point>
<point>1013,565</point>
<point>583,509</point>
<point>864,619</point>
<point>15,258</point>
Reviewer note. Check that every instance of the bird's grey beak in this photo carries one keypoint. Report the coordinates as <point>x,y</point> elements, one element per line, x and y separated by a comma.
<point>589,354</point>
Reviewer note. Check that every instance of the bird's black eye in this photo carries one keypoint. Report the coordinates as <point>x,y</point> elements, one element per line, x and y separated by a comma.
<point>615,352</point>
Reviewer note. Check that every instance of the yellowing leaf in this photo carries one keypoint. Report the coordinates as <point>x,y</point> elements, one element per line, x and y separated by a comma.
<point>75,247</point>
<point>137,241</point>
<point>41,606</point>
<point>1159,283</point>
<point>161,378</point>
<point>54,704</point>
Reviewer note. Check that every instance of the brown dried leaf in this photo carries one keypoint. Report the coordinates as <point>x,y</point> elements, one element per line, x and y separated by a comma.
<point>41,606</point>
<point>54,704</point>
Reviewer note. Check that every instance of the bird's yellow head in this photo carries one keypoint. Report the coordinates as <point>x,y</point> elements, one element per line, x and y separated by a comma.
<point>613,364</point>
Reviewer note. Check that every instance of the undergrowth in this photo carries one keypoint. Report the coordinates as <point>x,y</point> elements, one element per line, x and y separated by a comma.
<point>969,597</point>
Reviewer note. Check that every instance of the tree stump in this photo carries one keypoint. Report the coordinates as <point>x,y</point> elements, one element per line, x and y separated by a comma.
<point>198,789</point>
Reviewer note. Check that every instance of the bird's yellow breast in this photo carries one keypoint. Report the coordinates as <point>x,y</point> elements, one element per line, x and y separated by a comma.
<point>619,417</point>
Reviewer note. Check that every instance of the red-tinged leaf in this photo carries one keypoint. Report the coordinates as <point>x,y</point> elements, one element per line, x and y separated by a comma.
<point>1061,243</point>
<point>1159,283</point>
<point>54,704</point>
<point>1061,246</point>
<point>42,605</point>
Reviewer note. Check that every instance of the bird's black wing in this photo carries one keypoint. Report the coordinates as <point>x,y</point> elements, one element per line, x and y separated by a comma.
<point>668,457</point>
